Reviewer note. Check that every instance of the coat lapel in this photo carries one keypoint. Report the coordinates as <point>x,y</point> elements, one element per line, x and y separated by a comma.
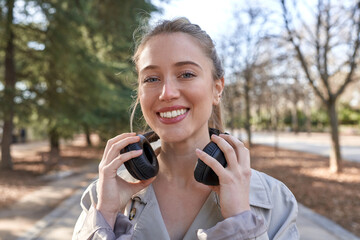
<point>149,224</point>
<point>207,217</point>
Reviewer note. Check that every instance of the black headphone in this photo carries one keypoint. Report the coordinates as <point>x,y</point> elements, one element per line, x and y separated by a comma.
<point>146,165</point>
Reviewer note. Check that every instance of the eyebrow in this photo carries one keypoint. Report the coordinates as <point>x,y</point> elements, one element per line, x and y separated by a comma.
<point>149,68</point>
<point>178,64</point>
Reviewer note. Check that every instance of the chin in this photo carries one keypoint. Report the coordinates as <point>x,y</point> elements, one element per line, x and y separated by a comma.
<point>173,135</point>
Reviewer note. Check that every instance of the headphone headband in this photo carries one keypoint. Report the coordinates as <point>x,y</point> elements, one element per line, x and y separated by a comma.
<point>151,136</point>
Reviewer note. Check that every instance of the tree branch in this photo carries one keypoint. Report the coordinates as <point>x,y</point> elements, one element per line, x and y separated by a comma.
<point>299,53</point>
<point>352,59</point>
<point>326,51</point>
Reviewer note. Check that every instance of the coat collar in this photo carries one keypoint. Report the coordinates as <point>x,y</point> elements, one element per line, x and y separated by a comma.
<point>150,215</point>
<point>148,211</point>
<point>259,196</point>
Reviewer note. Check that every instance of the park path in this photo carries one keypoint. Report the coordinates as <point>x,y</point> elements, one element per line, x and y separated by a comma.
<point>59,224</point>
<point>57,208</point>
<point>318,143</point>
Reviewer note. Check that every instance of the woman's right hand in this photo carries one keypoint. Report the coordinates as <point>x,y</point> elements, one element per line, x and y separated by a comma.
<point>113,191</point>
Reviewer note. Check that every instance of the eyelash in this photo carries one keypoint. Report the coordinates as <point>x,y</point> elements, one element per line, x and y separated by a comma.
<point>187,73</point>
<point>182,75</point>
<point>149,79</point>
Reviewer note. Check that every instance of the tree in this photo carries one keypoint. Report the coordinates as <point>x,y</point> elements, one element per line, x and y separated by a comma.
<point>68,65</point>
<point>9,86</point>
<point>232,103</point>
<point>328,52</point>
<point>244,56</point>
<point>84,88</point>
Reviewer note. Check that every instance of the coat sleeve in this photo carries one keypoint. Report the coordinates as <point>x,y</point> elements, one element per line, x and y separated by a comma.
<point>245,225</point>
<point>281,218</point>
<point>275,222</point>
<point>92,225</point>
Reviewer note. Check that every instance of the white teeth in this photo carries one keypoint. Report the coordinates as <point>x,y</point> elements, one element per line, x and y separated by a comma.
<point>173,113</point>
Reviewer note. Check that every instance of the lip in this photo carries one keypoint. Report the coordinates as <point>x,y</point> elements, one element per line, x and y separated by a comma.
<point>172,120</point>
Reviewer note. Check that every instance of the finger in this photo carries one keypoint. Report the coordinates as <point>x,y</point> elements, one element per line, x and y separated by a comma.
<point>113,140</point>
<point>211,162</point>
<point>227,149</point>
<point>114,150</point>
<point>240,149</point>
<point>235,142</point>
<point>119,160</point>
<point>244,158</point>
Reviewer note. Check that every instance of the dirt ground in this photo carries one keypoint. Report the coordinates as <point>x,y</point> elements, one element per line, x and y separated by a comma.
<point>336,196</point>
<point>27,173</point>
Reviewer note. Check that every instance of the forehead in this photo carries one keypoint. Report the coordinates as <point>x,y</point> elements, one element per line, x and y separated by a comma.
<point>171,48</point>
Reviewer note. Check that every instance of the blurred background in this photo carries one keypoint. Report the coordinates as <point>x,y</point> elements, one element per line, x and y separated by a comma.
<point>292,83</point>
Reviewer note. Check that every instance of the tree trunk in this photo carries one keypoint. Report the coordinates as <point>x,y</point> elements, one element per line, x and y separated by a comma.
<point>275,123</point>
<point>54,140</point>
<point>294,120</point>
<point>335,154</point>
<point>9,91</point>
<point>87,133</point>
<point>6,159</point>
<point>307,111</point>
<point>54,147</point>
<point>247,110</point>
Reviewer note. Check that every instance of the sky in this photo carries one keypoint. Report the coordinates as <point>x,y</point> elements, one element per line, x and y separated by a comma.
<point>215,16</point>
<point>211,15</point>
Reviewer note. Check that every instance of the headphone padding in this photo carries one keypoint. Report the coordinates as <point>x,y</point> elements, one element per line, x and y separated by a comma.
<point>203,173</point>
<point>144,166</point>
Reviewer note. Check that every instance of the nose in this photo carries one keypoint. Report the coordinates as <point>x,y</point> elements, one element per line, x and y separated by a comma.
<point>169,91</point>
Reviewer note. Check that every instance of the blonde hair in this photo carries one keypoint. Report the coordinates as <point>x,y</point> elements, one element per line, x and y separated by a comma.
<point>183,25</point>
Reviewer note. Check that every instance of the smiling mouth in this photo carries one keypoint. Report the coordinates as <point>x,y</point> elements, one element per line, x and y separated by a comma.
<point>173,114</point>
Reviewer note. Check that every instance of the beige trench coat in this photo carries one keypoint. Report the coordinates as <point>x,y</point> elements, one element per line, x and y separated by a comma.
<point>270,200</point>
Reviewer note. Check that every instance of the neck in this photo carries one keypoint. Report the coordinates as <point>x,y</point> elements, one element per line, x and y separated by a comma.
<point>178,160</point>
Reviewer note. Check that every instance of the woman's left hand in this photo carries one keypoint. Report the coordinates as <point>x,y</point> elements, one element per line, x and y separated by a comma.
<point>234,180</point>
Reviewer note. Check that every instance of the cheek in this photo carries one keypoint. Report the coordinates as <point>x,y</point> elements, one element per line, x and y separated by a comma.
<point>145,109</point>
<point>203,92</point>
<point>202,97</point>
<point>144,103</point>
<point>147,100</point>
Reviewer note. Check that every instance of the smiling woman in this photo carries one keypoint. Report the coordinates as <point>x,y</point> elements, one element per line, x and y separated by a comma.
<point>184,81</point>
<point>180,82</point>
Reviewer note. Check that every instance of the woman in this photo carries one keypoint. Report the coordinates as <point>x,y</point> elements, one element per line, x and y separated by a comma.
<point>180,82</point>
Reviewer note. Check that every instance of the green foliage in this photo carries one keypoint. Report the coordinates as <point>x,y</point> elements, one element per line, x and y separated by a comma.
<point>349,115</point>
<point>319,119</point>
<point>237,121</point>
<point>74,69</point>
<point>301,120</point>
<point>262,121</point>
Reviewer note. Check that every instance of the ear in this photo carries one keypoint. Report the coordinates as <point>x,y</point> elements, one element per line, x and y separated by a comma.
<point>217,90</point>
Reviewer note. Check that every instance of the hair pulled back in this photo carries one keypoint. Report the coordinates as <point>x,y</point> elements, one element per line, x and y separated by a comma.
<point>183,25</point>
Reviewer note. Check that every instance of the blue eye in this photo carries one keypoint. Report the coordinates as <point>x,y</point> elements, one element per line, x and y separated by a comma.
<point>187,75</point>
<point>151,79</point>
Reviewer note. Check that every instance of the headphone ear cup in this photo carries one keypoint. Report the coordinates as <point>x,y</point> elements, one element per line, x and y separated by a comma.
<point>203,173</point>
<point>144,166</point>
